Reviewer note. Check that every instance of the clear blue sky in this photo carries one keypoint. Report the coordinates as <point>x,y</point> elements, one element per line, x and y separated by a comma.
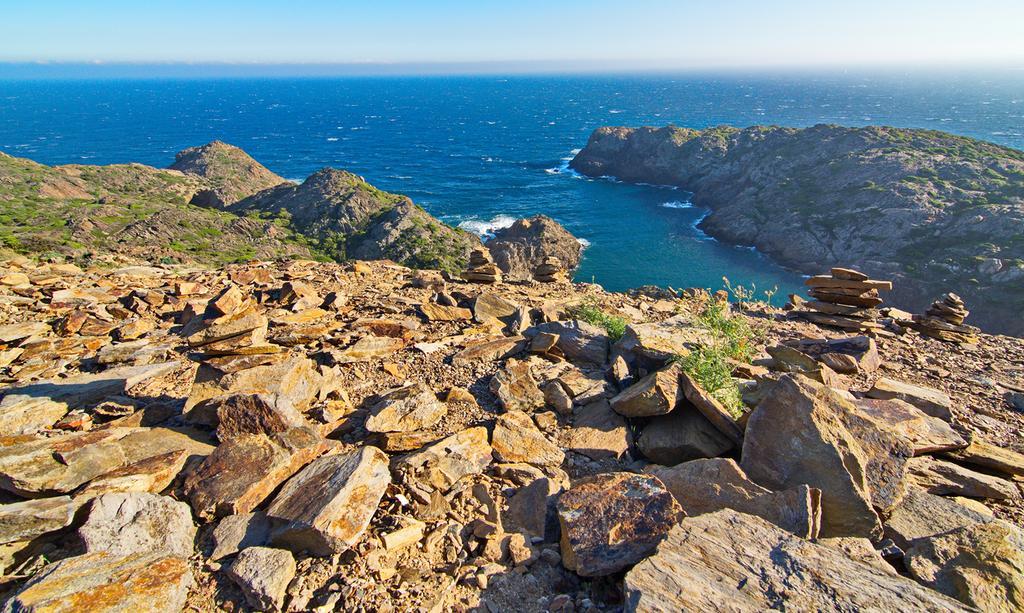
<point>654,33</point>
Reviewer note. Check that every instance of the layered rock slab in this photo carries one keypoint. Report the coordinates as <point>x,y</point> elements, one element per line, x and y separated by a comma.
<point>737,562</point>
<point>326,507</point>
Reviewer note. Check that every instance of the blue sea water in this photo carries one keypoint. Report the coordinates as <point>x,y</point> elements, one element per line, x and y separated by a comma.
<point>481,150</point>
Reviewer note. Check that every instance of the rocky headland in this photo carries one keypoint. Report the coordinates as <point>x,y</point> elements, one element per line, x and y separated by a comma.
<point>215,204</point>
<point>933,211</point>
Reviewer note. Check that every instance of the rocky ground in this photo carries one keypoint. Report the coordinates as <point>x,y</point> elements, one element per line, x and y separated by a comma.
<point>934,212</point>
<point>297,435</point>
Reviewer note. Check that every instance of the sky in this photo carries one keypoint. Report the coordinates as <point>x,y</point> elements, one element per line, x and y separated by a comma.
<point>596,33</point>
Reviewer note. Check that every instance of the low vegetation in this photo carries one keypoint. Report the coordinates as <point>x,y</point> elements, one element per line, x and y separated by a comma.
<point>590,312</point>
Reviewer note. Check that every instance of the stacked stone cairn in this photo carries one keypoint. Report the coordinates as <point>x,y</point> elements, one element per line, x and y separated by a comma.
<point>551,271</point>
<point>944,320</point>
<point>845,299</point>
<point>482,268</point>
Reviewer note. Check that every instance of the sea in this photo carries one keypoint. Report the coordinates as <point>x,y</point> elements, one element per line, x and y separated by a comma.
<point>479,151</point>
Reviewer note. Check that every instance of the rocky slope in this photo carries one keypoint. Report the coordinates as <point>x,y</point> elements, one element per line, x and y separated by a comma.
<point>346,217</point>
<point>314,436</point>
<point>216,205</point>
<point>933,211</point>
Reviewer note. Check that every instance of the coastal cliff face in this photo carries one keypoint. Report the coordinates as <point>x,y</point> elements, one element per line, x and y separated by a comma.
<point>932,210</point>
<point>520,248</point>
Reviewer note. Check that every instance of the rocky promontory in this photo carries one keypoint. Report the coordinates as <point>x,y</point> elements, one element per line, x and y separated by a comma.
<point>933,211</point>
<point>216,205</point>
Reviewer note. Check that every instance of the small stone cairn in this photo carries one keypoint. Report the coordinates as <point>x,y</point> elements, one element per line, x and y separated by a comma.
<point>551,271</point>
<point>944,320</point>
<point>482,268</point>
<point>845,299</point>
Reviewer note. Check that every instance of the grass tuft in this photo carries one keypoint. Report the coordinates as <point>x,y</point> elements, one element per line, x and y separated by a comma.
<point>590,312</point>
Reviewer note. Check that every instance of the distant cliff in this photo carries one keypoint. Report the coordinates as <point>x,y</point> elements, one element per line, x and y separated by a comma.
<point>934,211</point>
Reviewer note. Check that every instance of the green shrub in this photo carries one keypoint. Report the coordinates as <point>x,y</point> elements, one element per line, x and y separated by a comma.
<point>590,312</point>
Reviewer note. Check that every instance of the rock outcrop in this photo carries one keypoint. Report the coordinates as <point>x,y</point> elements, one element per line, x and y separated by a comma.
<point>930,210</point>
<point>520,249</point>
<point>231,173</point>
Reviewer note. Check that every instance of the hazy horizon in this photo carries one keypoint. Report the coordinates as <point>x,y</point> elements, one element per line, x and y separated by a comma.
<point>531,35</point>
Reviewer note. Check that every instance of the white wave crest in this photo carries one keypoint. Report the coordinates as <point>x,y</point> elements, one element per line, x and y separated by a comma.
<point>486,228</point>
<point>583,242</point>
<point>677,204</point>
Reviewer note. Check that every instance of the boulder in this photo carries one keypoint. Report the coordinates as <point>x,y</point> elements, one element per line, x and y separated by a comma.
<point>736,562</point>
<point>138,523</point>
<point>47,466</point>
<point>516,388</point>
<point>521,248</point>
<point>931,401</point>
<point>406,409</point>
<point>577,340</point>
<point>244,470</point>
<point>656,394</point>
<point>263,574</point>
<point>517,439</point>
<point>980,565</point>
<point>707,486</point>
<point>443,464</point>
<point>103,581</point>
<point>369,348</point>
<point>598,432</point>
<point>294,379</point>
<point>490,349</point>
<point>254,414</point>
<point>712,410</point>
<point>921,515</point>
<point>325,508</point>
<point>652,345</point>
<point>681,435</point>
<point>531,508</point>
<point>796,436</point>
<point>613,520</point>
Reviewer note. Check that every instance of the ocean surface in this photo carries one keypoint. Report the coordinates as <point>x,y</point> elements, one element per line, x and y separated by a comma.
<point>479,151</point>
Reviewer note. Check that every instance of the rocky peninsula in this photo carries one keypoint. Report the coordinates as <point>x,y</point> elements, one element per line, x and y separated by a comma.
<point>932,211</point>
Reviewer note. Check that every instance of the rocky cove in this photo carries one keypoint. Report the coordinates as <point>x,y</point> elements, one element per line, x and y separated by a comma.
<point>226,391</point>
<point>932,210</point>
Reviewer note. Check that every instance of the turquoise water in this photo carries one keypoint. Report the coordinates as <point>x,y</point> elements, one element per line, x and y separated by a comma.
<point>480,151</point>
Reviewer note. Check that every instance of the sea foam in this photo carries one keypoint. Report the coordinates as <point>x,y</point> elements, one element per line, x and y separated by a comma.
<point>487,228</point>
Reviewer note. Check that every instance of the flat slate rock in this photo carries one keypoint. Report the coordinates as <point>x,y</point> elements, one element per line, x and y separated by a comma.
<point>948,479</point>
<point>406,409</point>
<point>578,341</point>
<point>736,562</point>
<point>24,521</point>
<point>925,433</point>
<point>980,565</point>
<point>931,401</point>
<point>517,439</point>
<point>682,435</point>
<point>921,515</point>
<point>255,414</point>
<point>244,470</point>
<point>103,581</point>
<point>236,532</point>
<point>707,486</point>
<point>515,387</point>
<point>598,432</point>
<point>325,508</point>
<point>613,520</point>
<point>443,464</point>
<point>656,394</point>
